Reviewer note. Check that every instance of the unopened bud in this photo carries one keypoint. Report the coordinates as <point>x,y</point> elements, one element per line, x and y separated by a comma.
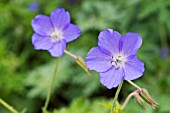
<point>82,64</point>
<point>146,96</point>
<point>140,101</point>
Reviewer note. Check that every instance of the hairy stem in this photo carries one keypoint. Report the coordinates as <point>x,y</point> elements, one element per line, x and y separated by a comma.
<point>116,96</point>
<point>50,88</point>
<point>127,99</point>
<point>10,108</point>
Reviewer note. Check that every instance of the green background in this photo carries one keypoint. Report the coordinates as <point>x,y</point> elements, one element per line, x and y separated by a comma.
<point>25,72</point>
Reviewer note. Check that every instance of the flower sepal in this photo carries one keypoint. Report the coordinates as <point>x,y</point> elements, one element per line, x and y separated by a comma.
<point>139,100</point>
<point>146,96</point>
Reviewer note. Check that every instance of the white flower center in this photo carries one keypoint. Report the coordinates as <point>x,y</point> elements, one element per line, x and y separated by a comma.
<point>118,60</point>
<point>56,35</point>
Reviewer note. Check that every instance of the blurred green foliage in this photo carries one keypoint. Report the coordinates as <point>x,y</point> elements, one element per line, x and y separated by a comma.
<point>25,73</point>
<point>80,105</point>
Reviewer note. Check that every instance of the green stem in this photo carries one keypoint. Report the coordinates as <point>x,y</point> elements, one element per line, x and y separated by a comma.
<point>133,84</point>
<point>10,108</point>
<point>116,96</point>
<point>162,33</point>
<point>70,54</point>
<point>50,88</point>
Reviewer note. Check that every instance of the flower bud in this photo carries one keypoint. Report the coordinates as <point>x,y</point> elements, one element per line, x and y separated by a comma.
<point>82,64</point>
<point>140,101</point>
<point>146,96</point>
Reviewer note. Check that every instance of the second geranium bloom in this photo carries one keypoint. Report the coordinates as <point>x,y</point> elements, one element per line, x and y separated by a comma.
<point>52,33</point>
<point>115,57</point>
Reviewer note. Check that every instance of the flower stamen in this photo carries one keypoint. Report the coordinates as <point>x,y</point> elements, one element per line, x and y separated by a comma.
<point>56,35</point>
<point>118,60</point>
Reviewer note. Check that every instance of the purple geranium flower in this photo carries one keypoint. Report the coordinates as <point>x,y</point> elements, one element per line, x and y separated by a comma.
<point>52,33</point>
<point>115,58</point>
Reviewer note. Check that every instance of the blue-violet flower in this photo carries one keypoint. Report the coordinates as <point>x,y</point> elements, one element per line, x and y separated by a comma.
<point>115,57</point>
<point>52,33</point>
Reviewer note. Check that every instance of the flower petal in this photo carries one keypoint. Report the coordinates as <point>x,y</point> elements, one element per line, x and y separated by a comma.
<point>130,43</point>
<point>133,68</point>
<point>112,77</point>
<point>41,42</point>
<point>60,18</point>
<point>58,49</point>
<point>108,41</point>
<point>98,61</point>
<point>71,32</point>
<point>41,24</point>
